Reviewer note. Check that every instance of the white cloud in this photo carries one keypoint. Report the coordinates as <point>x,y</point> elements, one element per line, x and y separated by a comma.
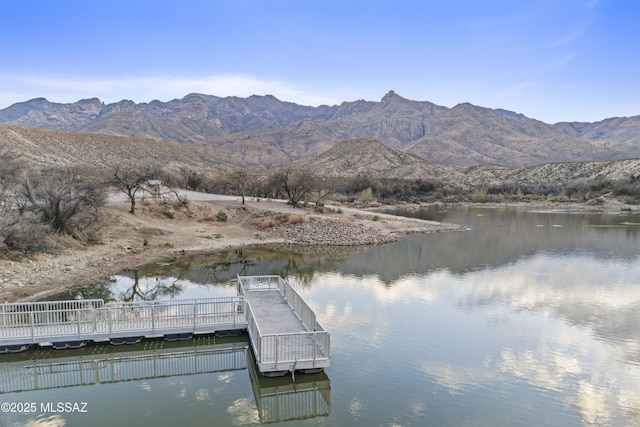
<point>560,62</point>
<point>591,4</point>
<point>567,39</point>
<point>17,88</point>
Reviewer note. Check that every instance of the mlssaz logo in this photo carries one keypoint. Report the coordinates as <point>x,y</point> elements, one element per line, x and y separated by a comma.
<point>64,407</point>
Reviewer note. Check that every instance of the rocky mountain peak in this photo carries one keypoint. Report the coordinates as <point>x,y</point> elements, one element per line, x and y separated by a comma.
<point>391,96</point>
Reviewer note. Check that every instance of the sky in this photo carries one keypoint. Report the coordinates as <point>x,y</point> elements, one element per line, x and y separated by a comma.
<point>552,60</point>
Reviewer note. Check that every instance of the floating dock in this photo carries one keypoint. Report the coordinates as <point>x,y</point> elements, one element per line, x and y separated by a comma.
<point>283,330</point>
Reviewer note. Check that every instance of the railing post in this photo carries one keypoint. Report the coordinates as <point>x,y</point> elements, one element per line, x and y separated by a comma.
<point>78,321</point>
<point>153,320</point>
<point>195,315</point>
<point>109,321</point>
<point>33,326</point>
<point>235,313</point>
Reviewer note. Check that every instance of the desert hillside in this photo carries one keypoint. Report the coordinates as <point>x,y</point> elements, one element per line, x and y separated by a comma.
<point>264,131</point>
<point>348,158</point>
<point>45,148</point>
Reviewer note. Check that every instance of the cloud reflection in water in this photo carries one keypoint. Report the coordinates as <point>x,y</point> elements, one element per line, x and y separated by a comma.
<point>567,324</point>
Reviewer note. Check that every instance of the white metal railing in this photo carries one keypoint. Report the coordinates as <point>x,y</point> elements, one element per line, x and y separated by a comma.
<point>81,321</point>
<point>46,323</point>
<point>310,345</point>
<point>257,283</point>
<point>165,317</point>
<point>50,305</point>
<point>299,306</point>
<point>44,312</point>
<point>254,331</point>
<point>295,347</point>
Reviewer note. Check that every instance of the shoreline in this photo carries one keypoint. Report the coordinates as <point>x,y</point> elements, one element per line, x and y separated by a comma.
<point>155,235</point>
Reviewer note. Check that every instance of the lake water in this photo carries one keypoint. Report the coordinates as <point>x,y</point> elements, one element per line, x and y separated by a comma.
<point>530,319</point>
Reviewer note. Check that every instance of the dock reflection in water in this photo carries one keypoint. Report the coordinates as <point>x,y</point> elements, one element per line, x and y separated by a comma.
<point>277,399</point>
<point>286,398</point>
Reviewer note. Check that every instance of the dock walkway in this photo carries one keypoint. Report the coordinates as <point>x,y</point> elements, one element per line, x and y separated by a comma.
<point>283,330</point>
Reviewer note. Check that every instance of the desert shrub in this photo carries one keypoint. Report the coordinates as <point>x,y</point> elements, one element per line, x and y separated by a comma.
<point>295,219</point>
<point>221,216</point>
<point>276,220</point>
<point>366,195</point>
<point>357,184</point>
<point>629,188</point>
<point>167,210</point>
<point>27,236</point>
<point>267,222</point>
<point>180,201</point>
<point>479,195</point>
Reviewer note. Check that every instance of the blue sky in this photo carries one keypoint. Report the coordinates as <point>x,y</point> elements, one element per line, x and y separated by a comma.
<point>554,60</point>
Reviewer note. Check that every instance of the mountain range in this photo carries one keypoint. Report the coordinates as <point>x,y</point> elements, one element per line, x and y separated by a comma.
<point>262,131</point>
<point>42,148</point>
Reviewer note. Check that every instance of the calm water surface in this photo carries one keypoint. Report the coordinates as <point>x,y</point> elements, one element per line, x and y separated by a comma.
<point>530,319</point>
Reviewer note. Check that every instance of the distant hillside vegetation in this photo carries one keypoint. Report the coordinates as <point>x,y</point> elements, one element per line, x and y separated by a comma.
<point>364,157</point>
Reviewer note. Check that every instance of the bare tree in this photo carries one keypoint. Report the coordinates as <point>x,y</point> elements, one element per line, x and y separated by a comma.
<point>131,180</point>
<point>238,181</point>
<point>191,179</point>
<point>323,188</point>
<point>297,183</point>
<point>68,199</point>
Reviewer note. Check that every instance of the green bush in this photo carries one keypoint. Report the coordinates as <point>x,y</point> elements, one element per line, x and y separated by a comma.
<point>221,216</point>
<point>167,210</point>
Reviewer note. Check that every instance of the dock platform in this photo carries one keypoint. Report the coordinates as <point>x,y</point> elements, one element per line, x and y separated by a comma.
<point>283,330</point>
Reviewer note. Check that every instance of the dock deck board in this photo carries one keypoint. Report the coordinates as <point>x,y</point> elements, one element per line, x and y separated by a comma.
<point>272,313</point>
